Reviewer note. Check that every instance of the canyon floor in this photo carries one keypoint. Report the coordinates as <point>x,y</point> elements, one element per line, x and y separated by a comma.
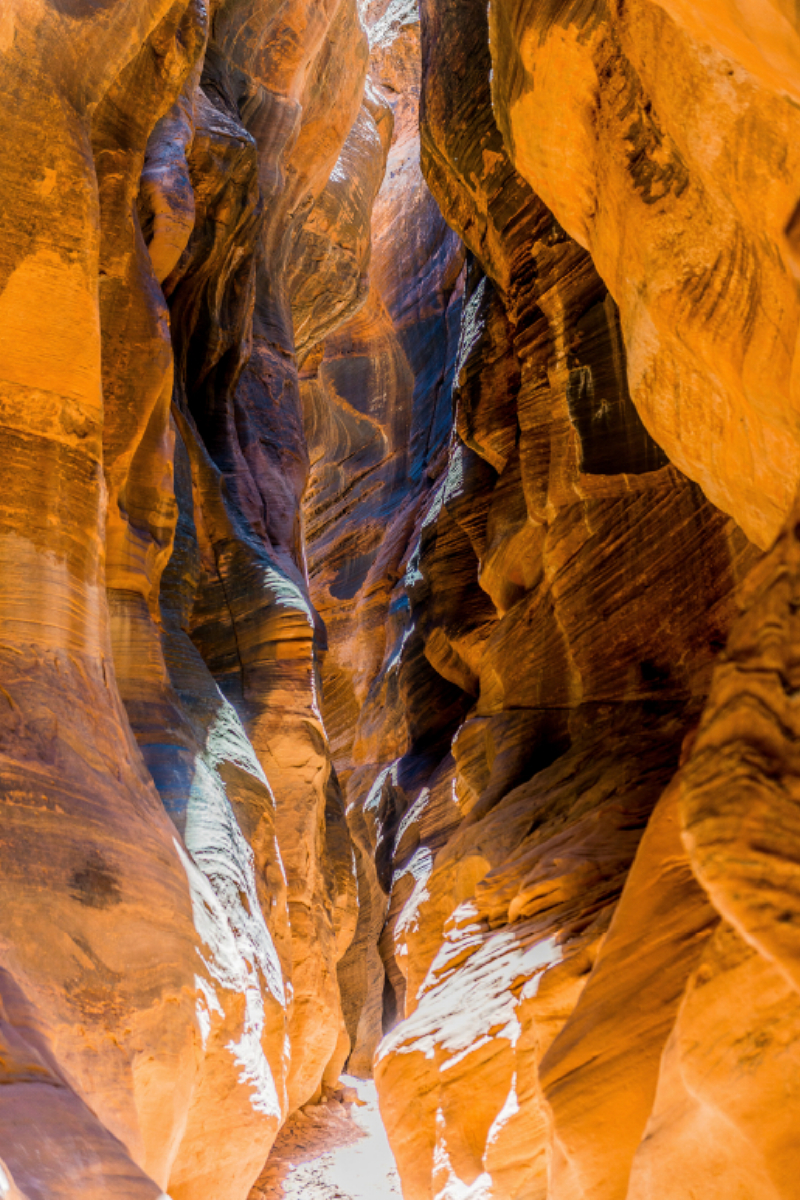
<point>337,1150</point>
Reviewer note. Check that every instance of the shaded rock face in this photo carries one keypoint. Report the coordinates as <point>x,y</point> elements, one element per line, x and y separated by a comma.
<point>378,405</point>
<point>396,400</point>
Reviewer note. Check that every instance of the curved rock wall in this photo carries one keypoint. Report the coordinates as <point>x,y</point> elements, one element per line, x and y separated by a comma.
<point>526,656</point>
<point>169,797</point>
<point>101,1041</point>
<point>662,136</point>
<point>396,401</point>
<point>378,414</point>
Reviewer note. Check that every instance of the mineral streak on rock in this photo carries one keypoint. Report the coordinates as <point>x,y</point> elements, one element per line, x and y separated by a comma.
<point>384,679</point>
<point>377,400</point>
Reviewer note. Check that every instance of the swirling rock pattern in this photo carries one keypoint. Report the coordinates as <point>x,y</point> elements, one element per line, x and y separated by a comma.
<point>384,675</point>
<point>503,797</point>
<point>529,1067</point>
<point>637,125</point>
<point>102,1039</point>
<point>377,399</point>
<point>166,778</point>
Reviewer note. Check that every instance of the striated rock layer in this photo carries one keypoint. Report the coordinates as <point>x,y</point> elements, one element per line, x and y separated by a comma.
<point>178,881</point>
<point>663,137</point>
<point>525,652</point>
<point>396,401</point>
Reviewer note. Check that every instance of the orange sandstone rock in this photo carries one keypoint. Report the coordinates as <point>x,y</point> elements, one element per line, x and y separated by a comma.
<point>536,582</point>
<point>168,1016</point>
<point>104,1037</point>
<point>662,137</point>
<point>364,591</point>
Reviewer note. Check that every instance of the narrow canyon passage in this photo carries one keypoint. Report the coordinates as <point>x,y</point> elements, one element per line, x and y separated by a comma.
<point>336,1150</point>
<point>399,593</point>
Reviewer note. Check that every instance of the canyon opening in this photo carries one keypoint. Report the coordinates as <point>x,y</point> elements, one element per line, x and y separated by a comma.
<point>399,600</point>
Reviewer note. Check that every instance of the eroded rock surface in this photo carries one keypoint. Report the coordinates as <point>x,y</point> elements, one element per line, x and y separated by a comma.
<point>396,400</point>
<point>536,636</point>
<point>160,645</point>
<point>638,125</point>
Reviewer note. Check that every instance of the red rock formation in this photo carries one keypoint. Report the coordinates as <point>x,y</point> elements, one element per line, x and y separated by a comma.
<point>376,409</point>
<point>377,400</point>
<point>662,136</point>
<point>535,578</point>
<point>101,1041</point>
<point>541,1087</point>
<point>184,995</point>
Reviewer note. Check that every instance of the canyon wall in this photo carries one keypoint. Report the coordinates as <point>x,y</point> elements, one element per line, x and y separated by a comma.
<point>397,402</point>
<point>575,862</point>
<point>177,875</point>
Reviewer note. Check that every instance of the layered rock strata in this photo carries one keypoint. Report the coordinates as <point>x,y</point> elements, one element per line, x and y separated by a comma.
<point>544,614</point>
<point>377,398</point>
<point>166,778</point>
<point>662,136</point>
<point>385,676</point>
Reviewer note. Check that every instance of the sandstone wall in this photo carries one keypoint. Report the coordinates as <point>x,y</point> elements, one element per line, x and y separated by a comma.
<point>178,880</point>
<point>662,136</point>
<point>396,401</point>
<point>378,416</point>
<point>571,973</point>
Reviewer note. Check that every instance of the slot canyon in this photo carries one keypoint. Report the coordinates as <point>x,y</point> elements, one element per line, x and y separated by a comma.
<point>400,598</point>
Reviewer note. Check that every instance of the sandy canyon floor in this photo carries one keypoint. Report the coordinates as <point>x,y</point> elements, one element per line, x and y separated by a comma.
<point>333,1151</point>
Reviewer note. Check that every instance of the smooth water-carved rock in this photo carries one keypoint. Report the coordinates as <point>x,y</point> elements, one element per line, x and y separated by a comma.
<point>172,1015</point>
<point>103,1039</point>
<point>638,125</point>
<point>366,393</point>
<point>559,509</point>
<point>377,402</point>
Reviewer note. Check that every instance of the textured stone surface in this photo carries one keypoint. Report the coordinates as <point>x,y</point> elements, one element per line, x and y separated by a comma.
<point>383,677</point>
<point>663,137</point>
<point>511,1075</point>
<point>572,591</point>
<point>181,997</point>
<point>101,1037</point>
<point>378,411</point>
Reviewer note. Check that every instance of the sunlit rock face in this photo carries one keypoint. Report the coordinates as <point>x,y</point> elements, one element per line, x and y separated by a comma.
<point>576,948</point>
<point>522,654</point>
<point>396,400</point>
<point>663,137</point>
<point>101,965</point>
<point>585,948</point>
<point>178,878</point>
